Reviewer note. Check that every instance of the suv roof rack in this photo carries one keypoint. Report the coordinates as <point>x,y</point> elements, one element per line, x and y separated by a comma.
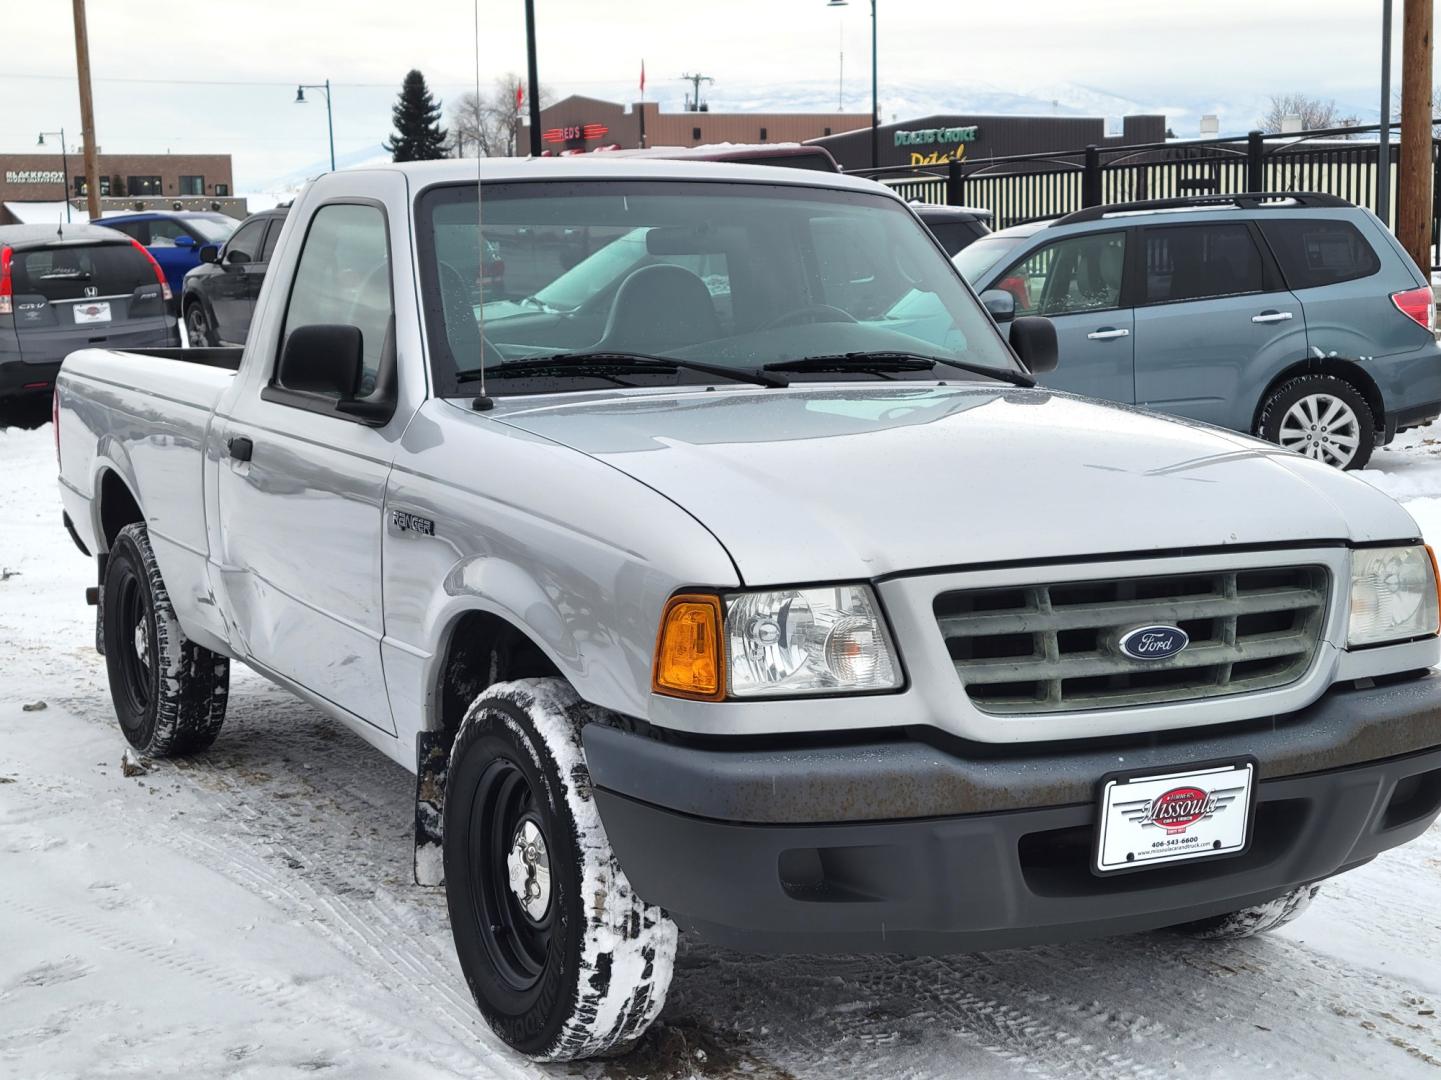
<point>1249,201</point>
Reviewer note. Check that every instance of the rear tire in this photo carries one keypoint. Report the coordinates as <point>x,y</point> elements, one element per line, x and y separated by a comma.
<point>169,693</point>
<point>197,326</point>
<point>1250,921</point>
<point>562,957</point>
<point>1322,417</point>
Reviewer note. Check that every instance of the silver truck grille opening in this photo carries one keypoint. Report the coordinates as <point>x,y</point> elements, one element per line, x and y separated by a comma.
<point>1055,648</point>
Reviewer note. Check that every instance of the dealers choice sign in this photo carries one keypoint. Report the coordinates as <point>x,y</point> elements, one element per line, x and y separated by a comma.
<point>949,143</point>
<point>34,176</point>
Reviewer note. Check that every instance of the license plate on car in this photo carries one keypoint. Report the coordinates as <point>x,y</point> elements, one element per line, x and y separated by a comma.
<point>92,311</point>
<point>1158,819</point>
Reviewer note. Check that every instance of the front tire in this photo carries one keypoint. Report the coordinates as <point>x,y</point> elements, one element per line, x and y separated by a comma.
<point>562,957</point>
<point>198,330</point>
<point>1248,922</point>
<point>169,693</point>
<point>1322,417</point>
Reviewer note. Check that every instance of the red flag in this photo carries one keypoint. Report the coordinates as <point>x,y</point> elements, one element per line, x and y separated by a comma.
<point>642,78</point>
<point>519,95</point>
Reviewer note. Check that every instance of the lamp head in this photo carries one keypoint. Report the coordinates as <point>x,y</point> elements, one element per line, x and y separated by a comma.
<point>300,95</point>
<point>40,141</point>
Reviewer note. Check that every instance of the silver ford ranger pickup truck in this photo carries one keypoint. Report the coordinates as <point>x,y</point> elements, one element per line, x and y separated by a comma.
<point>718,566</point>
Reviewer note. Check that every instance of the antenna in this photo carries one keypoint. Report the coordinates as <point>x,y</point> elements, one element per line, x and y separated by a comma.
<point>483,402</point>
<point>694,103</point>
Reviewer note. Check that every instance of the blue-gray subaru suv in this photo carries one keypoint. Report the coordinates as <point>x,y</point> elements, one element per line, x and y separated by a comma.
<point>1295,317</point>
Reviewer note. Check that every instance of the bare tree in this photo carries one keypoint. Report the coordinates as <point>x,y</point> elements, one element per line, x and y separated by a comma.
<point>489,124</point>
<point>1315,113</point>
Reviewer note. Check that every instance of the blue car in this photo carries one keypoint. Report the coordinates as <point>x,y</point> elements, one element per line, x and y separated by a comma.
<point>175,238</point>
<point>1295,317</point>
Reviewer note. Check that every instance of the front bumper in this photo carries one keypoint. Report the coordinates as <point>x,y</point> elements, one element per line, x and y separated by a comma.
<point>900,846</point>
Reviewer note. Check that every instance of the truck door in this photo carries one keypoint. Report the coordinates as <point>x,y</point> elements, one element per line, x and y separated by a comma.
<point>1076,283</point>
<point>301,487</point>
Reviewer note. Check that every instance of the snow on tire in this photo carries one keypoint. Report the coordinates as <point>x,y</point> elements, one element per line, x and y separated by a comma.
<point>564,960</point>
<point>1248,922</point>
<point>170,693</point>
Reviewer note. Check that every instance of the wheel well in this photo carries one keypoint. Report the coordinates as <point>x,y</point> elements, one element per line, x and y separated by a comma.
<point>1341,369</point>
<point>118,507</point>
<point>482,650</point>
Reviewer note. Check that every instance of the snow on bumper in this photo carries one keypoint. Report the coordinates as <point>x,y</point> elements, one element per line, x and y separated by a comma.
<point>907,847</point>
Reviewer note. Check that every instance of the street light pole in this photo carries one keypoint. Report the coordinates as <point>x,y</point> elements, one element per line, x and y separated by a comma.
<point>1383,155</point>
<point>533,77</point>
<point>875,84</point>
<point>64,167</point>
<point>329,115</point>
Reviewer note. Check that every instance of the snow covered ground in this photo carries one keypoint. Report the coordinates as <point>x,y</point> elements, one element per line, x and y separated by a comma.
<point>250,913</point>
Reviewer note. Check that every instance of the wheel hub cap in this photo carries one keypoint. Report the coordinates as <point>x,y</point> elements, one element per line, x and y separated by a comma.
<point>142,643</point>
<point>1323,427</point>
<point>529,865</point>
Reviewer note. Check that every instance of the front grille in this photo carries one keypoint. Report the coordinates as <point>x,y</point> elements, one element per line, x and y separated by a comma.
<point>1055,648</point>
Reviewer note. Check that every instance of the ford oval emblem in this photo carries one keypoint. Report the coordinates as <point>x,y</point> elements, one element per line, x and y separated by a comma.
<point>1154,642</point>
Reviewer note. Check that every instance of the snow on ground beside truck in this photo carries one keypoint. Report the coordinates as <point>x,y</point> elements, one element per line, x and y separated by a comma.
<point>250,913</point>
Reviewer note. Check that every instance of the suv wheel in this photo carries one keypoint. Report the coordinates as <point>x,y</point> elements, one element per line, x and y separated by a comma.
<point>562,957</point>
<point>1323,417</point>
<point>197,326</point>
<point>1248,922</point>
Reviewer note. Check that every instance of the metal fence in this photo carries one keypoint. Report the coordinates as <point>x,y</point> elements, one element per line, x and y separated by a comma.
<point>1335,161</point>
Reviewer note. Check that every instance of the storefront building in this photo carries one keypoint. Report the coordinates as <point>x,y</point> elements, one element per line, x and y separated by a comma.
<point>155,181</point>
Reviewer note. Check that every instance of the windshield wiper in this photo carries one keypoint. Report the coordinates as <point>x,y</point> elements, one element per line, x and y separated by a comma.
<point>881,361</point>
<point>616,363</point>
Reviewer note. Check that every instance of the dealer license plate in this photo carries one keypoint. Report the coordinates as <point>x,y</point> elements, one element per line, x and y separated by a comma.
<point>91,311</point>
<point>1158,819</point>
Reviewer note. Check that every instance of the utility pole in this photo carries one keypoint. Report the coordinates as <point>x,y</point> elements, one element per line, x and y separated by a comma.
<point>1413,190</point>
<point>87,113</point>
<point>1383,152</point>
<point>534,78</point>
<point>693,105</point>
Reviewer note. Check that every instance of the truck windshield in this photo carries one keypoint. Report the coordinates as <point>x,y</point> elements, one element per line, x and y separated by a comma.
<point>737,275</point>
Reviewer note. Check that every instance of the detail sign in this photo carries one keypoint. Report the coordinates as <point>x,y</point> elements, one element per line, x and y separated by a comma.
<point>34,176</point>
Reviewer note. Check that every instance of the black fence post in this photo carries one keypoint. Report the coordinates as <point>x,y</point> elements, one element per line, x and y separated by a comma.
<point>1255,161</point>
<point>1091,178</point>
<point>955,184</point>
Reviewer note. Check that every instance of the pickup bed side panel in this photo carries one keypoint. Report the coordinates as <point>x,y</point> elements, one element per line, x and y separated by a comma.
<point>578,556</point>
<point>147,420</point>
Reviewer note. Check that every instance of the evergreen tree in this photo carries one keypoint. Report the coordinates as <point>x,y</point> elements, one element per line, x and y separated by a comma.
<point>418,134</point>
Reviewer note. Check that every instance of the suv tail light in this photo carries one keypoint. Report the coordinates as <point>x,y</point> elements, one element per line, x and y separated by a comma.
<point>7,287</point>
<point>159,273</point>
<point>1418,305</point>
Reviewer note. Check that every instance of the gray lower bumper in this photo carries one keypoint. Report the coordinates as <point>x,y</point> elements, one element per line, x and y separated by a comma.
<point>903,847</point>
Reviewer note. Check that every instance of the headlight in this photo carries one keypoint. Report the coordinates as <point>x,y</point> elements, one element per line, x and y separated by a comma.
<point>1393,594</point>
<point>807,641</point>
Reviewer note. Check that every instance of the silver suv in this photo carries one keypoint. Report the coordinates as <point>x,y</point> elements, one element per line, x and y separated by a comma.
<point>1295,317</point>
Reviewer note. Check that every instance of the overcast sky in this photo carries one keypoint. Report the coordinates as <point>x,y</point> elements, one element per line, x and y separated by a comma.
<point>233,66</point>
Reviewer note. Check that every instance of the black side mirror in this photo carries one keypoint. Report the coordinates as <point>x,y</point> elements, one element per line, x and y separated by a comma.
<point>209,253</point>
<point>323,359</point>
<point>1000,304</point>
<point>1033,337</point>
<point>236,257</point>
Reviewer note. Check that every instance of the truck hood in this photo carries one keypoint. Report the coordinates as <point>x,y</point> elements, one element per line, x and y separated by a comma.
<point>819,483</point>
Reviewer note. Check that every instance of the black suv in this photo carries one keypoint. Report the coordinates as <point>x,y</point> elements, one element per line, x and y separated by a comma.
<point>219,295</point>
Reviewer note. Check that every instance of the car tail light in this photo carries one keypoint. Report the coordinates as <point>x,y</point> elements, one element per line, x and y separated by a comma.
<point>159,273</point>
<point>7,286</point>
<point>1418,305</point>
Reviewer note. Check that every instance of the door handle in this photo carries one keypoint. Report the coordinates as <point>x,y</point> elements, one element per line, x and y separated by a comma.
<point>1272,316</point>
<point>240,448</point>
<point>1108,333</point>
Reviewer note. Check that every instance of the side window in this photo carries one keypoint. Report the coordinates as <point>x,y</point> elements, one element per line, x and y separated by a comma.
<point>163,233</point>
<point>245,244</point>
<point>1198,262</point>
<point>1079,273</point>
<point>1319,251</point>
<point>268,248</point>
<point>344,277</point>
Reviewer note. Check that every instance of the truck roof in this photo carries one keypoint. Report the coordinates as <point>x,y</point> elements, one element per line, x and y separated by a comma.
<point>610,167</point>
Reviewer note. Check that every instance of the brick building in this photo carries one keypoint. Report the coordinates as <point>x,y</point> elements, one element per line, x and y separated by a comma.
<point>155,181</point>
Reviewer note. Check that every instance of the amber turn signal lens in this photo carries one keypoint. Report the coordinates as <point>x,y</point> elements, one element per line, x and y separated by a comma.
<point>1436,577</point>
<point>688,659</point>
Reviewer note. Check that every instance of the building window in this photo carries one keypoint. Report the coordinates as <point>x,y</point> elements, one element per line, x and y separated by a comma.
<point>695,133</point>
<point>763,134</point>
<point>192,185</point>
<point>223,190</point>
<point>828,131</point>
<point>104,185</point>
<point>143,185</point>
